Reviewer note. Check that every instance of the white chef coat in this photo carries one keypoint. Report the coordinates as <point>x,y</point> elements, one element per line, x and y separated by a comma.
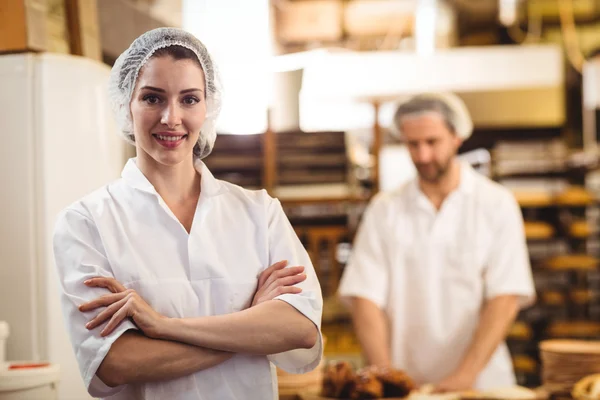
<point>126,231</point>
<point>431,271</point>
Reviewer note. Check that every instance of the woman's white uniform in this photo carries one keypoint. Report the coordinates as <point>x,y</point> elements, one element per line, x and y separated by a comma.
<point>126,231</point>
<point>431,271</point>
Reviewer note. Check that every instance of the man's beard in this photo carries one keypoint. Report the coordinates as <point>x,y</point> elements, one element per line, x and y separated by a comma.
<point>433,172</point>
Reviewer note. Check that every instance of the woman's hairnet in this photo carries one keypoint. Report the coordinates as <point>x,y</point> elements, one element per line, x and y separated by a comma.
<point>125,72</point>
<point>449,106</point>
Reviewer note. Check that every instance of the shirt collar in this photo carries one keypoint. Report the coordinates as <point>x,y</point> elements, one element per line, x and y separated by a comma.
<point>209,185</point>
<point>467,178</point>
<point>133,177</point>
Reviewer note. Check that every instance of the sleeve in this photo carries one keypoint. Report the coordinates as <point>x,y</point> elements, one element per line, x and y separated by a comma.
<point>367,272</point>
<point>79,255</point>
<point>285,245</point>
<point>507,270</point>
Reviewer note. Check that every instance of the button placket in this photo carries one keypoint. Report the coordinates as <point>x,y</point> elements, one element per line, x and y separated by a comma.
<point>196,237</point>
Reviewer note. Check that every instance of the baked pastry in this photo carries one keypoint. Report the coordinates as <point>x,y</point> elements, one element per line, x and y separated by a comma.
<point>395,382</point>
<point>587,388</point>
<point>580,229</point>
<point>575,196</point>
<point>532,198</point>
<point>538,230</point>
<point>338,380</point>
<point>573,261</point>
<point>366,386</point>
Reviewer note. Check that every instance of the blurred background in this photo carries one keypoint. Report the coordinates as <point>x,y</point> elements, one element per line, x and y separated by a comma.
<point>310,88</point>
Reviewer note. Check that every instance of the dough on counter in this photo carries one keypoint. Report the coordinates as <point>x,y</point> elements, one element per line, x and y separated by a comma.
<point>515,392</point>
<point>425,392</point>
<point>431,396</point>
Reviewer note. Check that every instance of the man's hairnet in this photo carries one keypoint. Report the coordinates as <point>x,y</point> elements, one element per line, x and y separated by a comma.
<point>126,69</point>
<point>449,106</point>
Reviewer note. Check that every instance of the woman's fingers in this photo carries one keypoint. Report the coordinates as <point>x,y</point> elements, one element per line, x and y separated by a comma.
<point>282,286</point>
<point>282,273</point>
<point>103,301</point>
<point>106,314</point>
<point>109,283</point>
<point>279,290</point>
<point>267,272</point>
<point>117,318</point>
<point>285,281</point>
<point>289,280</point>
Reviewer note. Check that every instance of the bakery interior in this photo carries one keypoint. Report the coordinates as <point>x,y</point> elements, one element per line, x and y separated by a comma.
<point>325,76</point>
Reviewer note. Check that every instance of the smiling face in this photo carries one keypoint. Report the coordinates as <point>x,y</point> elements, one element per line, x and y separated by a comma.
<point>432,145</point>
<point>168,108</point>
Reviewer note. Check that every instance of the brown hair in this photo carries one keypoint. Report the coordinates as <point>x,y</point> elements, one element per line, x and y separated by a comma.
<point>180,53</point>
<point>177,53</point>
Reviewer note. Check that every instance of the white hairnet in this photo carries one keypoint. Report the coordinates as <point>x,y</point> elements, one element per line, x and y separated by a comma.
<point>449,106</point>
<point>125,72</point>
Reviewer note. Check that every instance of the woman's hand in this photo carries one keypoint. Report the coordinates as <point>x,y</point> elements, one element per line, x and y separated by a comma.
<point>277,280</point>
<point>126,303</point>
<point>120,304</point>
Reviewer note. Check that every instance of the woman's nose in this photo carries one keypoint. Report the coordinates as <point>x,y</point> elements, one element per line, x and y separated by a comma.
<point>171,116</point>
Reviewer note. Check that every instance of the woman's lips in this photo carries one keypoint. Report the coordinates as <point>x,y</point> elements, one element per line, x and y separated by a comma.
<point>169,140</point>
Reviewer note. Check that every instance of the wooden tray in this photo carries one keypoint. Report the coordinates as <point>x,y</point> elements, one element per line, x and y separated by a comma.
<point>311,395</point>
<point>492,398</point>
<point>315,396</point>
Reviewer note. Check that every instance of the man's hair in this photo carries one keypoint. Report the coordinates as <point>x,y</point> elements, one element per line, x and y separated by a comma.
<point>424,104</point>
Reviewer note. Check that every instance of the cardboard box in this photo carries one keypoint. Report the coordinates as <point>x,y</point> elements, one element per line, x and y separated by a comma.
<point>309,20</point>
<point>57,27</point>
<point>582,9</point>
<point>84,28</point>
<point>23,25</point>
<point>379,17</point>
<point>121,22</point>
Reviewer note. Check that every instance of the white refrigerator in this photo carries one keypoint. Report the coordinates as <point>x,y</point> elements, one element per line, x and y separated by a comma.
<point>59,142</point>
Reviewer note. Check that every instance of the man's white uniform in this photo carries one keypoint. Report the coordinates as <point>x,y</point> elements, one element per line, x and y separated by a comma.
<point>431,271</point>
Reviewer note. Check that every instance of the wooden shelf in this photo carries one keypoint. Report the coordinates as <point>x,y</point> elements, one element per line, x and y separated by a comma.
<point>317,194</point>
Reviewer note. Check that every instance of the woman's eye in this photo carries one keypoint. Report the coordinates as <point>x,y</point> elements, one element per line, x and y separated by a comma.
<point>190,101</point>
<point>151,99</point>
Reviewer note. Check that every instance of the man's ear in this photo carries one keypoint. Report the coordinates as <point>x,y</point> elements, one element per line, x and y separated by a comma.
<point>458,141</point>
